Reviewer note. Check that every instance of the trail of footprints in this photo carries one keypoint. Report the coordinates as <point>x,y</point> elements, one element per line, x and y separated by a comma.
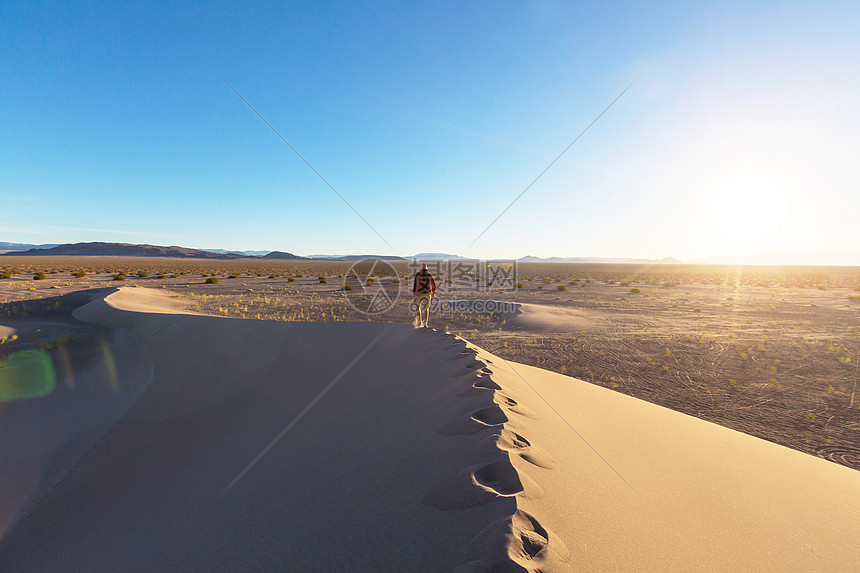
<point>526,542</point>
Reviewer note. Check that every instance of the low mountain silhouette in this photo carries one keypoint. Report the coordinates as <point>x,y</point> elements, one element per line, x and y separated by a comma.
<point>124,250</point>
<point>284,255</point>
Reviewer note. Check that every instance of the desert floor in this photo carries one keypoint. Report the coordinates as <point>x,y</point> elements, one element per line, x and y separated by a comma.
<point>770,351</point>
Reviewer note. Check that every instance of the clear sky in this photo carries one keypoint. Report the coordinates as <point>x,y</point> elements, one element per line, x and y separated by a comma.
<point>740,135</point>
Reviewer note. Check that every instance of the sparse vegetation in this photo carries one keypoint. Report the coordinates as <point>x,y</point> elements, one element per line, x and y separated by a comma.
<point>39,276</point>
<point>212,280</point>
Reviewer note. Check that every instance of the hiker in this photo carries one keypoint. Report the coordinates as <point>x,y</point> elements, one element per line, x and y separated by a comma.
<point>423,291</point>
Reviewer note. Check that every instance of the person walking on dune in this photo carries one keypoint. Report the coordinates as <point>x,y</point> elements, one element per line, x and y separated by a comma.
<point>423,291</point>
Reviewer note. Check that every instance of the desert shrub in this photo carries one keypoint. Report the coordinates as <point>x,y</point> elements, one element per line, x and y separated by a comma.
<point>119,277</point>
<point>233,276</point>
<point>291,279</point>
<point>369,281</point>
<point>540,286</point>
<point>396,281</point>
<point>5,275</point>
<point>142,274</point>
<point>560,287</point>
<point>635,290</point>
<point>623,283</point>
<point>272,276</point>
<point>520,285</point>
<point>850,296</point>
<point>323,280</point>
<point>347,287</point>
<point>79,274</point>
<point>39,276</point>
<point>159,276</point>
<point>212,280</point>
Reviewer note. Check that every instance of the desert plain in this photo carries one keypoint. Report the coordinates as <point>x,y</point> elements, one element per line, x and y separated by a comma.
<point>246,415</point>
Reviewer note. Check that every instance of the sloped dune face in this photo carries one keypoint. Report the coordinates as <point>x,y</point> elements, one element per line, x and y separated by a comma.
<point>273,446</point>
<point>261,445</point>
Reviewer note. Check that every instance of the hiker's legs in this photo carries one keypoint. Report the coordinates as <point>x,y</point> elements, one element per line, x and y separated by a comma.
<point>426,318</point>
<point>417,303</point>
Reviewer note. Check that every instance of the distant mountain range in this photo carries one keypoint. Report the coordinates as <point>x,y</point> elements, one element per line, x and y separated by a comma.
<point>98,249</point>
<point>121,250</point>
<point>663,261</point>
<point>244,253</point>
<point>283,255</point>
<point>134,250</point>
<point>22,246</point>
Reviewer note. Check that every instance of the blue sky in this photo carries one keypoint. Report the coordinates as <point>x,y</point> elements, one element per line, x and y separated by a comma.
<point>739,136</point>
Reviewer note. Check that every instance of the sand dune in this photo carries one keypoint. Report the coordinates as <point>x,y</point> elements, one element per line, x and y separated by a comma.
<point>549,318</point>
<point>261,445</point>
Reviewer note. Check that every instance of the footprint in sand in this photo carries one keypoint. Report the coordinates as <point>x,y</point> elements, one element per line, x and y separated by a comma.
<point>515,443</point>
<point>472,488</point>
<point>533,547</point>
<point>474,366</point>
<point>479,420</point>
<point>486,383</point>
<point>500,478</point>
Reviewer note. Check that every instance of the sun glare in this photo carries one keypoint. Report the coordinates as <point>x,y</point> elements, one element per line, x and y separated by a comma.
<point>748,214</point>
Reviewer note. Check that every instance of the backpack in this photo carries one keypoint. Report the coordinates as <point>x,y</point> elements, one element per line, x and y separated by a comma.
<point>422,281</point>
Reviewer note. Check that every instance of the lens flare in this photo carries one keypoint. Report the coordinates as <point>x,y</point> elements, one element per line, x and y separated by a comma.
<point>26,374</point>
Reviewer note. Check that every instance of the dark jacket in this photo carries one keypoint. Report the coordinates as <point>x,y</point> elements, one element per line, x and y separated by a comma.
<point>423,283</point>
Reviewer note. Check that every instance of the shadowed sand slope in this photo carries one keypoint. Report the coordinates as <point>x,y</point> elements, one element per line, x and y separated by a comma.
<point>264,445</point>
<point>339,490</point>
